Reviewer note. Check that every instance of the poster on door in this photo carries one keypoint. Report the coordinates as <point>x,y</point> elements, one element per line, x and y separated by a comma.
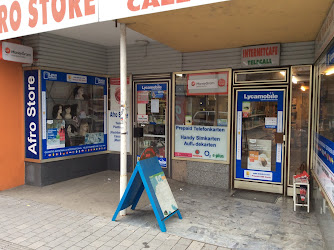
<point>259,154</point>
<point>114,115</point>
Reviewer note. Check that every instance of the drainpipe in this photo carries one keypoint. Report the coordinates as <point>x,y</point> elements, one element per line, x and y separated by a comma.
<point>123,76</point>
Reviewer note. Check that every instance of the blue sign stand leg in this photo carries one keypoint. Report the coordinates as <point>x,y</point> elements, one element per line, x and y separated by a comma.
<point>179,214</point>
<point>140,192</point>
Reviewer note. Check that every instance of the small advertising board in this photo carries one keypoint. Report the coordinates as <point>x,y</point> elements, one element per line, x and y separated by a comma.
<point>13,52</point>
<point>213,83</point>
<point>148,175</point>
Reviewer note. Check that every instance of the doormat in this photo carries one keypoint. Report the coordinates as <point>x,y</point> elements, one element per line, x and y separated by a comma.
<point>256,196</point>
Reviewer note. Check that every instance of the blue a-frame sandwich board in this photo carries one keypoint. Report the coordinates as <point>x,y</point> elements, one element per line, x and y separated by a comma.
<point>146,171</point>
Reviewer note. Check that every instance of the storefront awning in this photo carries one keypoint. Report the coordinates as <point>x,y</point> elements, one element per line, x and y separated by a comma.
<point>219,25</point>
<point>234,24</point>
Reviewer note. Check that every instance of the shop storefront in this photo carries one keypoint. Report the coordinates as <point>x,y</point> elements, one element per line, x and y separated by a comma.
<point>246,122</point>
<point>65,119</point>
<point>216,110</point>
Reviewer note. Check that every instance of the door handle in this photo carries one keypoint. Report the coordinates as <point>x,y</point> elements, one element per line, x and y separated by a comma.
<point>279,137</point>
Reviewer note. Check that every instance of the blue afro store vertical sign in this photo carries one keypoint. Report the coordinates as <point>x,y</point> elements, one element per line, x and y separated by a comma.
<point>324,164</point>
<point>31,114</point>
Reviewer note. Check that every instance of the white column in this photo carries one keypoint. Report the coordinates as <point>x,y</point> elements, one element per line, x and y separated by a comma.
<point>123,76</point>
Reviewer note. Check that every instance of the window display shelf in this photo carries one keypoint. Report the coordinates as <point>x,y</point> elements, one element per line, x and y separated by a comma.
<point>96,110</point>
<point>254,115</point>
<point>157,136</point>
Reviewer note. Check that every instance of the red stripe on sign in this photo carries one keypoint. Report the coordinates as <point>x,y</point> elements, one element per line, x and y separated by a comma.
<point>183,154</point>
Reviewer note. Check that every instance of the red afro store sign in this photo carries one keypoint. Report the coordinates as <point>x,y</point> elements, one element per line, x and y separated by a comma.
<point>25,17</point>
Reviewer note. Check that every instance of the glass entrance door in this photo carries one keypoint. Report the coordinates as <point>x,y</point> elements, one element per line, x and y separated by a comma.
<point>259,140</point>
<point>151,119</point>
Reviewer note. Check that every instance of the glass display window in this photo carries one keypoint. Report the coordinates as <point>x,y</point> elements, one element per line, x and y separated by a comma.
<point>299,120</point>
<point>323,133</point>
<point>202,113</point>
<point>73,114</point>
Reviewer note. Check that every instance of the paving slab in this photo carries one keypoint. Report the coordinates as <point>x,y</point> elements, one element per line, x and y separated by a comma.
<point>80,210</point>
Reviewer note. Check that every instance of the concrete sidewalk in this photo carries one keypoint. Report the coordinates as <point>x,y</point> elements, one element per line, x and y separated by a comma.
<point>210,215</point>
<point>26,224</point>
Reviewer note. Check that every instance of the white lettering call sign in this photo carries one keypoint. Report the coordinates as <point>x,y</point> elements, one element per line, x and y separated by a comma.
<point>26,17</point>
<point>201,142</point>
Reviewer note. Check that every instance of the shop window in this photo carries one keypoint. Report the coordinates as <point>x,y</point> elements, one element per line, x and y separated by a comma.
<point>323,134</point>
<point>202,115</point>
<point>300,97</point>
<point>75,114</point>
<point>262,76</point>
<point>326,112</point>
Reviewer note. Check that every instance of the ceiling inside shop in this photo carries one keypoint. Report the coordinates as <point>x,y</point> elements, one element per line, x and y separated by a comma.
<point>234,24</point>
<point>231,24</point>
<point>104,33</point>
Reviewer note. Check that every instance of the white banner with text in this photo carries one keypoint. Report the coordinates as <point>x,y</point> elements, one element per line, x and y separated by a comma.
<point>201,142</point>
<point>110,10</point>
<point>26,17</point>
<point>114,113</point>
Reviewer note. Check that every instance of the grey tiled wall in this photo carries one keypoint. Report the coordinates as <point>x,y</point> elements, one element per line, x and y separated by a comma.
<point>202,173</point>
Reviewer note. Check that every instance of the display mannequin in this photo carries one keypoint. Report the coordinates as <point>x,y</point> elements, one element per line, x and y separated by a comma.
<point>71,130</point>
<point>57,112</point>
<point>84,128</point>
<point>68,114</point>
<point>78,93</point>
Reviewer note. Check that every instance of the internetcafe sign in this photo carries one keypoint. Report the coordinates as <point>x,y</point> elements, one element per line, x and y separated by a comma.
<point>260,56</point>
